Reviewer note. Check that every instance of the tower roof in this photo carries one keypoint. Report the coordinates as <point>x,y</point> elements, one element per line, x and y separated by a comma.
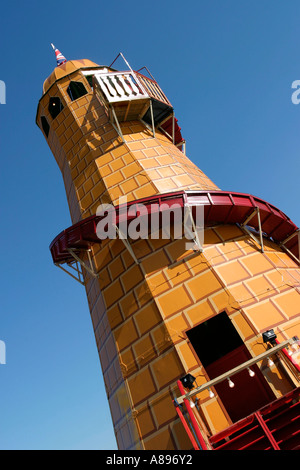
<point>65,69</point>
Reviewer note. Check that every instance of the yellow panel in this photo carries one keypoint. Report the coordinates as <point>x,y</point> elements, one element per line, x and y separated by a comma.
<point>263,315</point>
<point>166,368</point>
<point>200,312</point>
<point>232,272</point>
<point>203,285</point>
<point>141,386</point>
<point>288,303</point>
<point>175,300</point>
<point>257,263</point>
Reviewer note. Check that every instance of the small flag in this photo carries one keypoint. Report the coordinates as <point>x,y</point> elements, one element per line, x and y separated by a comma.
<point>60,59</point>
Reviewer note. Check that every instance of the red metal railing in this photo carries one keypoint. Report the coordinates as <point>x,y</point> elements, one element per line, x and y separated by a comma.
<point>194,422</point>
<point>273,427</point>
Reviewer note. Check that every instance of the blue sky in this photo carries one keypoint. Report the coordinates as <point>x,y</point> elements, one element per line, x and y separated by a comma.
<point>227,67</point>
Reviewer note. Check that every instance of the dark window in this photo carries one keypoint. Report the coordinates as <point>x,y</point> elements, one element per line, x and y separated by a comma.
<point>90,80</point>
<point>45,125</point>
<point>76,90</point>
<point>214,338</point>
<point>55,106</point>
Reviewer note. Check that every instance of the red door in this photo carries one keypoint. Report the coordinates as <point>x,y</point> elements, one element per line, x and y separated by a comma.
<point>249,393</point>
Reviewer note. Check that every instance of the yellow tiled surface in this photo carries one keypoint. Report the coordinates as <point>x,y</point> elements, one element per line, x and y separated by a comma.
<point>102,167</point>
<point>141,312</point>
<point>152,338</point>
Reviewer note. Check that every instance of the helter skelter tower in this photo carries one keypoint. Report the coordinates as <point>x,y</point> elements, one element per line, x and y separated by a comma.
<point>198,347</point>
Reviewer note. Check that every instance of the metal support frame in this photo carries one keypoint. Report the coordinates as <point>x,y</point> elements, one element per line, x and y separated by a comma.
<point>235,370</point>
<point>152,118</point>
<point>126,243</point>
<point>90,268</point>
<point>282,244</point>
<point>117,126</point>
<point>243,225</point>
<point>127,63</point>
<point>79,272</point>
<point>78,262</point>
<point>131,70</point>
<point>188,215</point>
<point>145,123</point>
<point>172,137</point>
<point>173,128</point>
<point>165,132</point>
<point>183,143</point>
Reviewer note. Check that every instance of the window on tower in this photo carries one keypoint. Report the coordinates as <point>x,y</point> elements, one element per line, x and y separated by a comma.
<point>45,125</point>
<point>55,106</point>
<point>76,90</point>
<point>90,80</point>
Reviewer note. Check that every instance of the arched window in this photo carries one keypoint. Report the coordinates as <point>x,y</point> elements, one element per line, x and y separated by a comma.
<point>76,90</point>
<point>45,125</point>
<point>55,106</point>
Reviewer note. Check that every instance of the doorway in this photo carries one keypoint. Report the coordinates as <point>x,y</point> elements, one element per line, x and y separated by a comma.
<point>220,348</point>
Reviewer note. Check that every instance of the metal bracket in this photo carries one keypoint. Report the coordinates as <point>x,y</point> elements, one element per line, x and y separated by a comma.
<point>152,119</point>
<point>79,273</point>
<point>243,225</point>
<point>194,235</point>
<point>183,143</point>
<point>126,243</point>
<point>173,128</point>
<point>78,265</point>
<point>78,262</point>
<point>90,268</point>
<point>282,244</point>
<point>117,125</point>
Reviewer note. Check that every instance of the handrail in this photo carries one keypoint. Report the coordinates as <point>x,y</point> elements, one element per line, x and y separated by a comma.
<point>120,86</point>
<point>235,370</point>
<point>153,88</point>
<point>115,88</point>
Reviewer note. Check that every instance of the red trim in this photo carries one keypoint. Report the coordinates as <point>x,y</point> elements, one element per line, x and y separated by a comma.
<point>168,127</point>
<point>220,207</point>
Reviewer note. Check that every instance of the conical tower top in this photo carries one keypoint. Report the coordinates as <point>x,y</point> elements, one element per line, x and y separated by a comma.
<point>60,59</point>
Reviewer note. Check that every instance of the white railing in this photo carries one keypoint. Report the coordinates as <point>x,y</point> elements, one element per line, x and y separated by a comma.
<point>153,88</point>
<point>120,86</point>
<point>126,86</point>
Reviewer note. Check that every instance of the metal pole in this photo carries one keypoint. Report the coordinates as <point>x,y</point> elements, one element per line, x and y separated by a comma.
<point>193,419</point>
<point>118,125</point>
<point>185,425</point>
<point>260,230</point>
<point>152,118</point>
<point>173,128</point>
